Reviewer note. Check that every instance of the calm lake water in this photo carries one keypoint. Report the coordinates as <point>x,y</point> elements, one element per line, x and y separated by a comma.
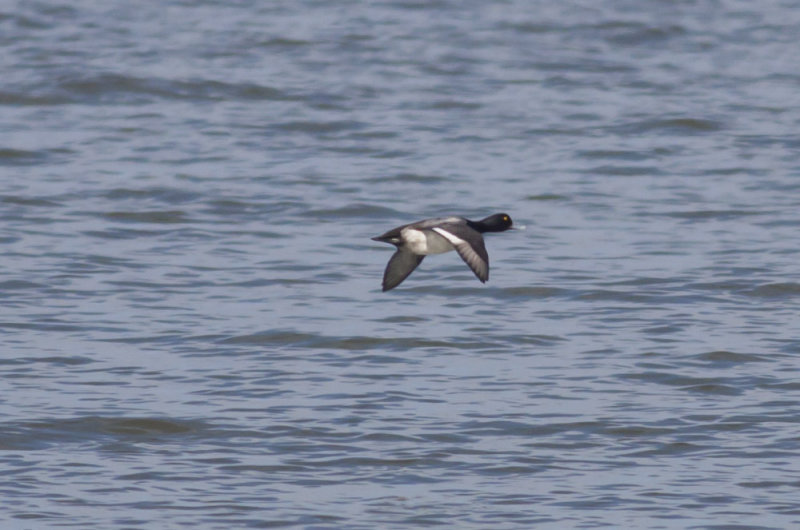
<point>192,330</point>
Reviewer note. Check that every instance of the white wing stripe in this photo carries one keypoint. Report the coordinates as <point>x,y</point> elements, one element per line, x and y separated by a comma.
<point>467,253</point>
<point>454,240</point>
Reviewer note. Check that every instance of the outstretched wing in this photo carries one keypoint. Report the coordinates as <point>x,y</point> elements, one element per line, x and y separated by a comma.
<point>469,245</point>
<point>399,267</point>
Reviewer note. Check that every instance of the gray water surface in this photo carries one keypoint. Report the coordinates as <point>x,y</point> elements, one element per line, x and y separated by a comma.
<point>192,331</point>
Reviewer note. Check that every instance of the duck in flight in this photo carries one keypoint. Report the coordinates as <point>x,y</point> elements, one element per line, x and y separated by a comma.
<point>434,236</point>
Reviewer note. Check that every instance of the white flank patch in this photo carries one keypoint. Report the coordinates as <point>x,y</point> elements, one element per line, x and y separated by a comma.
<point>415,240</point>
<point>425,242</point>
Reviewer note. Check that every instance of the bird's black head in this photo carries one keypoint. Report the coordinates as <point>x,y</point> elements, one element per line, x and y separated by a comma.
<point>499,222</point>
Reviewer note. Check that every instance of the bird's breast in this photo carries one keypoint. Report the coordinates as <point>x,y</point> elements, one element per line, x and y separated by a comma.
<point>424,242</point>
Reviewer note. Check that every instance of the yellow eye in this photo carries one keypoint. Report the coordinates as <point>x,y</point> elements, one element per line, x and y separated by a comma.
<point>505,218</point>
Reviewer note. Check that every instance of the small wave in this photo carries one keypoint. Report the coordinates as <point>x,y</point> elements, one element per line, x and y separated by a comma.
<point>775,290</point>
<point>624,171</point>
<point>24,157</point>
<point>702,385</point>
<point>723,358</point>
<point>319,127</point>
<point>632,156</point>
<point>536,292</point>
<point>151,216</point>
<point>675,126</point>
<point>20,285</point>
<point>355,210</point>
<point>29,201</point>
<point>640,34</point>
<point>357,343</point>
<point>119,88</point>
<point>159,193</point>
<point>547,197</point>
<point>702,215</point>
<point>53,432</point>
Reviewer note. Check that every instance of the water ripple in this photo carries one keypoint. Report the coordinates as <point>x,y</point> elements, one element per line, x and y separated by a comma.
<point>192,328</point>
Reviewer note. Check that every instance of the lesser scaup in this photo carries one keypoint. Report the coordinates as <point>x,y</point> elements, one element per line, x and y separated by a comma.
<point>434,236</point>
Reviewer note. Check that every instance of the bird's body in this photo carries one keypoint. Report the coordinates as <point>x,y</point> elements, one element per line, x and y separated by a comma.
<point>438,235</point>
